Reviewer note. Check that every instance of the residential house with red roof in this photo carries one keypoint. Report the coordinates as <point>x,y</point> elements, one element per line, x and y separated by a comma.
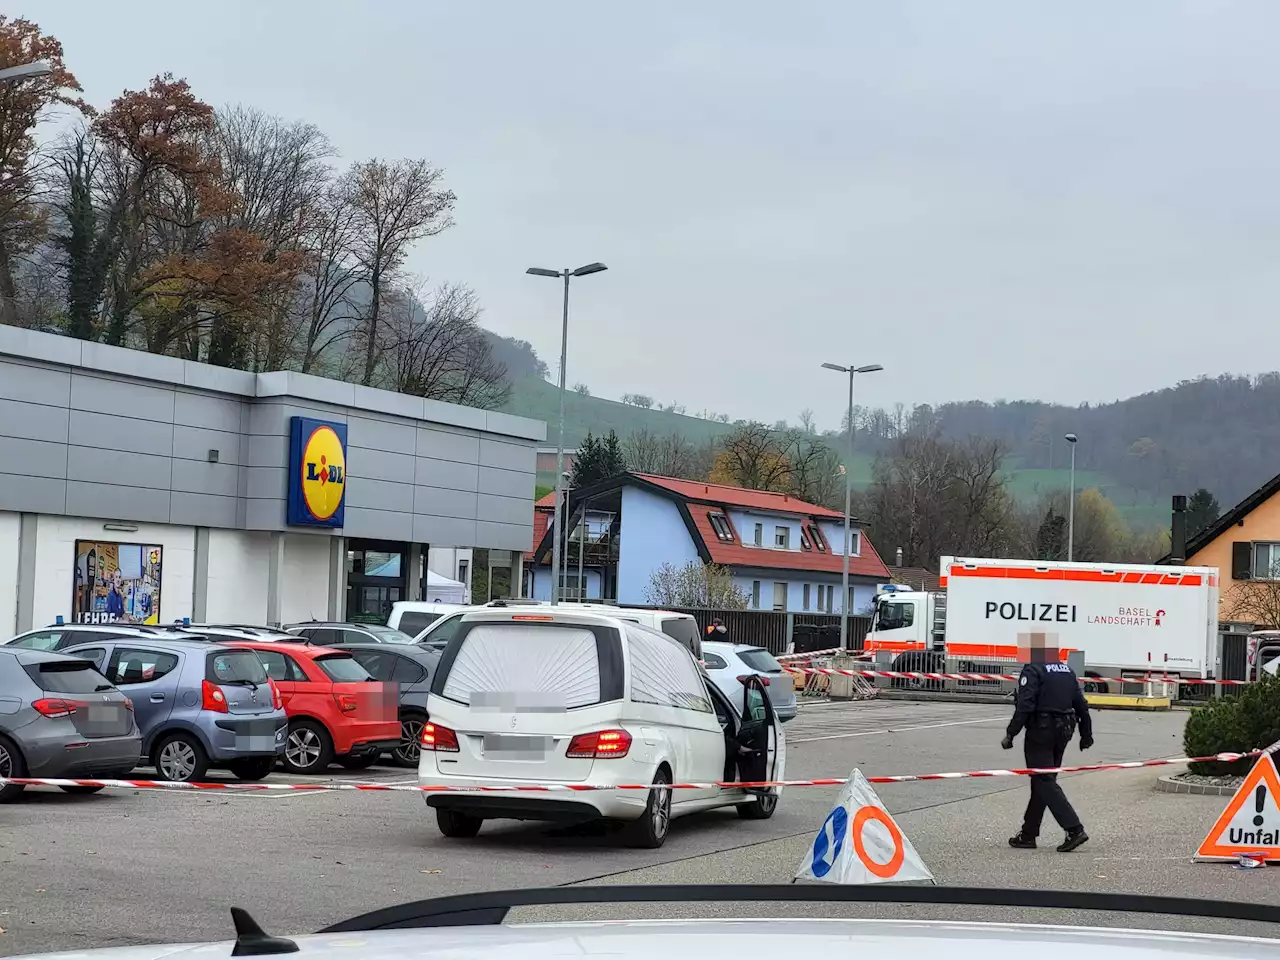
<point>784,553</point>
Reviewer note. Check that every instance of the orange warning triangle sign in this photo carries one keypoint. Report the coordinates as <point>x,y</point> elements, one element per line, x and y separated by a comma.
<point>1251,822</point>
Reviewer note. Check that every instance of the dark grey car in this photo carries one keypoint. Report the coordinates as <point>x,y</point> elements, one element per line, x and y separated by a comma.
<point>60,717</point>
<point>410,666</point>
<point>331,634</point>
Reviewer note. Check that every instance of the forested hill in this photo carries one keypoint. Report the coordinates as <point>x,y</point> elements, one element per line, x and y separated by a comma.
<point>1221,433</point>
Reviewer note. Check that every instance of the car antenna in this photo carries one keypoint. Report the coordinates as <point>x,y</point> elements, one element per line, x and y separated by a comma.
<point>253,941</point>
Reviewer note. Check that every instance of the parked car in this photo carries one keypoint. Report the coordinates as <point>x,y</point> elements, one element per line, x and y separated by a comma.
<point>414,616</point>
<point>563,696</point>
<point>61,718</point>
<point>59,636</point>
<point>330,634</point>
<point>410,667</point>
<point>679,626</point>
<point>730,664</point>
<point>198,705</point>
<point>336,710</point>
<point>224,632</point>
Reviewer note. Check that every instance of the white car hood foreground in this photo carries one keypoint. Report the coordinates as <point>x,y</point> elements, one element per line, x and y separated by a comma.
<point>696,940</point>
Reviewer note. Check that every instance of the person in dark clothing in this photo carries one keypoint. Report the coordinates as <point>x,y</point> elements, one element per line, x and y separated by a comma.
<point>1048,705</point>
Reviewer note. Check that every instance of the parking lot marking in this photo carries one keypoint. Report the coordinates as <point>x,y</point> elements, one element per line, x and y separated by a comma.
<point>923,726</point>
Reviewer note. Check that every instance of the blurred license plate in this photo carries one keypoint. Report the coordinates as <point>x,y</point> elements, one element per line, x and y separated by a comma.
<point>499,746</point>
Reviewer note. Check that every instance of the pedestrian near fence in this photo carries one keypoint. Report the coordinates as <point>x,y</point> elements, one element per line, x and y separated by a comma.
<point>1048,706</point>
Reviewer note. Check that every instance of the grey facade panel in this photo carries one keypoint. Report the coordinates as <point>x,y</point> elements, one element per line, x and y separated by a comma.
<point>378,524</point>
<point>507,483</point>
<point>503,510</point>
<point>132,432</point>
<point>36,458</point>
<point>87,499</point>
<point>508,456</point>
<point>119,469</point>
<point>381,435</point>
<point>428,472</point>
<point>193,476</point>
<point>123,398</point>
<point>377,495</point>
<point>440,502</point>
<point>203,510</point>
<point>24,493</point>
<point>34,384</point>
<point>449,445</point>
<point>33,421</point>
<point>504,536</point>
<point>125,434</point>
<point>194,443</point>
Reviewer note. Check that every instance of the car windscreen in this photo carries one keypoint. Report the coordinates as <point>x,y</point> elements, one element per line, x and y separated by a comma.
<point>387,634</point>
<point>531,666</point>
<point>235,666</point>
<point>78,676</point>
<point>342,668</point>
<point>760,660</point>
<point>414,622</point>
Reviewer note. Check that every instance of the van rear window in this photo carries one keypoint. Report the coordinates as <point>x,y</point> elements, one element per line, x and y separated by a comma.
<point>686,631</point>
<point>524,667</point>
<point>414,623</point>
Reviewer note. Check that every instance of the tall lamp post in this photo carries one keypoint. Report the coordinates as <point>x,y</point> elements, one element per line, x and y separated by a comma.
<point>848,496</point>
<point>25,71</point>
<point>1071,438</point>
<point>558,518</point>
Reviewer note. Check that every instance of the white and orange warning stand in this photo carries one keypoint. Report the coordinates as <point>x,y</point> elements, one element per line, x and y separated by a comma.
<point>1251,822</point>
<point>860,843</point>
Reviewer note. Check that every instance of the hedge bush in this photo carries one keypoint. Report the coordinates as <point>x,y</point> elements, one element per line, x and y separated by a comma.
<point>1234,725</point>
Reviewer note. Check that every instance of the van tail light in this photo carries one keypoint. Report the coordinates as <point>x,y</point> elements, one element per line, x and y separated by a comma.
<point>347,702</point>
<point>600,745</point>
<point>753,676</point>
<point>438,738</point>
<point>55,707</point>
<point>212,698</point>
<point>276,702</point>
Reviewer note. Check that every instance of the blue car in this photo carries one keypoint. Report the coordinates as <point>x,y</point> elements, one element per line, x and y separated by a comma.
<point>198,705</point>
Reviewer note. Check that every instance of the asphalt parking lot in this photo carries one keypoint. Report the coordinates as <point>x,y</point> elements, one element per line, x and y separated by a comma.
<point>136,866</point>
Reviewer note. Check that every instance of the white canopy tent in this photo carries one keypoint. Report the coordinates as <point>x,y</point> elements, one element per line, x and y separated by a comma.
<point>440,587</point>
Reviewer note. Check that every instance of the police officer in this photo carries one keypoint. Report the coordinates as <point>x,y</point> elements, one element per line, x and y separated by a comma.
<point>1048,704</point>
<point>716,630</point>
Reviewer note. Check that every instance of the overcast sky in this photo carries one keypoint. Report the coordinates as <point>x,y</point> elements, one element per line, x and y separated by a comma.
<point>1067,201</point>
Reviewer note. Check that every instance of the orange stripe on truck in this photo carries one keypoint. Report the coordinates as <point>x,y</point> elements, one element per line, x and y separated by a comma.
<point>1079,576</point>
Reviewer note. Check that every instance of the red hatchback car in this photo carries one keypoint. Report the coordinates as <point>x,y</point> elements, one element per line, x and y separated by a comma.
<point>335,709</point>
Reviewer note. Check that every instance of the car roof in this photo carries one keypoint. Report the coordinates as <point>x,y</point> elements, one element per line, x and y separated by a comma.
<point>415,650</point>
<point>311,650</point>
<point>723,646</point>
<point>195,644</point>
<point>26,655</point>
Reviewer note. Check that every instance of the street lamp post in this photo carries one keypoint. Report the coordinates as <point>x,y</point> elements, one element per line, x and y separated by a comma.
<point>1071,504</point>
<point>25,71</point>
<point>558,518</point>
<point>848,496</point>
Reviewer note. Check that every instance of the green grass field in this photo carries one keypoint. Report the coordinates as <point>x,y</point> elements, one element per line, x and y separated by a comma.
<point>538,399</point>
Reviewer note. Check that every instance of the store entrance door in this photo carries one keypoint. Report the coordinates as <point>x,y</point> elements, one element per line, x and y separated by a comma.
<point>375,579</point>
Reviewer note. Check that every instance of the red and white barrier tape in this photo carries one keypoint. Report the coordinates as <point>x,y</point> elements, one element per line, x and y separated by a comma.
<point>811,654</point>
<point>1010,677</point>
<point>595,788</point>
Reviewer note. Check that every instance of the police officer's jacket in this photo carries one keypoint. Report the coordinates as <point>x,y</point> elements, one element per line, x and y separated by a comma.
<point>1046,690</point>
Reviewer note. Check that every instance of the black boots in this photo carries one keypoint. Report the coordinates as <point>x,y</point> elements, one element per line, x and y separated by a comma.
<point>1075,838</point>
<point>1020,841</point>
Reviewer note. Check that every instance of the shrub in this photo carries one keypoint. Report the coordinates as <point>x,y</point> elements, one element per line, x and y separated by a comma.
<point>1250,721</point>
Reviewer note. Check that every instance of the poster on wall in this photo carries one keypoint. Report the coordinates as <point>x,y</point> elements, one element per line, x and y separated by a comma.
<point>116,582</point>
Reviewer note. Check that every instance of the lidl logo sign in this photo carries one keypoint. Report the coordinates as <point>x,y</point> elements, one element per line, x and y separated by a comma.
<point>317,472</point>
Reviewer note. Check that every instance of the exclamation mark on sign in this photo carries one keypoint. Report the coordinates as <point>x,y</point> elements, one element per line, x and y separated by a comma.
<point>1259,798</point>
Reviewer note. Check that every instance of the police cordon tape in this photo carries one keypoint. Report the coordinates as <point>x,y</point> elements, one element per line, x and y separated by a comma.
<point>918,675</point>
<point>237,787</point>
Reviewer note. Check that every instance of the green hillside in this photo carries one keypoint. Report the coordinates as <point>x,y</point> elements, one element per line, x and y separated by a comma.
<point>538,398</point>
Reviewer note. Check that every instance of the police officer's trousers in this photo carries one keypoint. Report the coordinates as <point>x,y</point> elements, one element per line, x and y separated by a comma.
<point>1043,745</point>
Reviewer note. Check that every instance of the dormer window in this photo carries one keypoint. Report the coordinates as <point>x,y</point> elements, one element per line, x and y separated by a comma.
<point>818,540</point>
<point>805,542</point>
<point>720,524</point>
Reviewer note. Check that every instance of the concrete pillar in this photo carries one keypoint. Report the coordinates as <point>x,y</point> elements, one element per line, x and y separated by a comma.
<point>275,579</point>
<point>200,580</point>
<point>413,574</point>
<point>337,609</point>
<point>517,574</point>
<point>28,524</point>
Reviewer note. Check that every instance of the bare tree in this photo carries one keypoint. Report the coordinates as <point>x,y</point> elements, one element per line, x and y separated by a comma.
<point>330,278</point>
<point>669,455</point>
<point>751,457</point>
<point>1253,601</point>
<point>396,205</point>
<point>696,584</point>
<point>437,350</point>
<point>807,423</point>
<point>815,470</point>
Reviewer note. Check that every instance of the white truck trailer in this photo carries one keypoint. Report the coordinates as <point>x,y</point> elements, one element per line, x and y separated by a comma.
<point>1128,619</point>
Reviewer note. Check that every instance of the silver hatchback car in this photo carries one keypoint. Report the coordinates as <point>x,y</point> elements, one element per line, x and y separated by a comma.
<point>60,717</point>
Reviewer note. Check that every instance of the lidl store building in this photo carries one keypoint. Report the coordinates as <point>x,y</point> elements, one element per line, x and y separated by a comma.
<point>144,488</point>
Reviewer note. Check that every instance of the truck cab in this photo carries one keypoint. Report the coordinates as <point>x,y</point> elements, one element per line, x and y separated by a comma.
<point>906,619</point>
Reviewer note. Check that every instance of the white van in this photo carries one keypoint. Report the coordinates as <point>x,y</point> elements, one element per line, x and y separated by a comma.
<point>415,616</point>
<point>680,627</point>
<point>562,697</point>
